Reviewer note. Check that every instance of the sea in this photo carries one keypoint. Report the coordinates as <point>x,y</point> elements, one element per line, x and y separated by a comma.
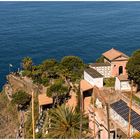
<point>43,30</point>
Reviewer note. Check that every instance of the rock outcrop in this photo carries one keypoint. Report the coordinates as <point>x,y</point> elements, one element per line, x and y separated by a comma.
<point>16,82</point>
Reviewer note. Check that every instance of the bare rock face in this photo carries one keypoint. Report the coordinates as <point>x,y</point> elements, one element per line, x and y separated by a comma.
<point>16,82</point>
<point>9,116</point>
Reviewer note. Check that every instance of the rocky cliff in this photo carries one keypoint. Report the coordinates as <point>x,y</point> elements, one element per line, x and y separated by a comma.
<point>9,116</point>
<point>16,82</point>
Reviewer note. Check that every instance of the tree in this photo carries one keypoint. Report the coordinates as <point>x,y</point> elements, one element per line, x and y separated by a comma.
<point>21,98</point>
<point>27,73</point>
<point>49,63</point>
<point>72,67</point>
<point>27,63</point>
<point>57,91</point>
<point>37,73</point>
<point>100,60</point>
<point>133,67</point>
<point>65,123</point>
<point>51,67</point>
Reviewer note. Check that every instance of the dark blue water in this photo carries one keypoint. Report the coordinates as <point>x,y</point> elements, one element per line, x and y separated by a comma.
<point>54,29</point>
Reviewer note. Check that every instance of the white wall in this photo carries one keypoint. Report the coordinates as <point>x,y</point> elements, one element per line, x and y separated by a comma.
<point>93,81</point>
<point>125,85</point>
<point>122,85</point>
<point>121,121</point>
<point>117,84</point>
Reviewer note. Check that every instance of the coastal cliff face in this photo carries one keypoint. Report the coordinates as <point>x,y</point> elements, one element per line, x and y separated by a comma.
<point>9,115</point>
<point>8,118</point>
<point>16,82</point>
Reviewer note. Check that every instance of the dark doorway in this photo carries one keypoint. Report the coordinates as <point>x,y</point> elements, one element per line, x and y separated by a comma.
<point>47,106</point>
<point>87,93</point>
<point>120,70</point>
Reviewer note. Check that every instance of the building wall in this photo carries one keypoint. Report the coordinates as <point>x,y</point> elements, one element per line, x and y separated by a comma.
<point>122,85</point>
<point>93,81</point>
<point>125,85</point>
<point>104,70</point>
<point>98,121</point>
<point>117,84</point>
<point>121,122</point>
<point>87,102</point>
<point>115,67</point>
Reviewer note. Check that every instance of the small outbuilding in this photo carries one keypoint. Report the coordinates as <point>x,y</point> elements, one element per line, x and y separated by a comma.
<point>44,101</point>
<point>93,77</point>
<point>122,83</point>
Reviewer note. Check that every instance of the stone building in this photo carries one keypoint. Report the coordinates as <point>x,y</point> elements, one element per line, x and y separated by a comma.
<point>117,60</point>
<point>114,64</point>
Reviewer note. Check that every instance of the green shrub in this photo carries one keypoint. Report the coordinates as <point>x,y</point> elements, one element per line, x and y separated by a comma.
<point>45,81</point>
<point>57,89</point>
<point>38,135</point>
<point>109,82</point>
<point>100,60</point>
<point>137,99</point>
<point>26,73</point>
<point>21,98</point>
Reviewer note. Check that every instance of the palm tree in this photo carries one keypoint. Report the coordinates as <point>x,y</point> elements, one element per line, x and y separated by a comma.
<point>65,123</point>
<point>27,63</point>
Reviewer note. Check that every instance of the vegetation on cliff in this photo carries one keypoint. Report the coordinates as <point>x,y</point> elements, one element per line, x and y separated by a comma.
<point>133,67</point>
<point>8,117</point>
<point>100,59</point>
<point>70,67</point>
<point>55,75</point>
<point>58,91</point>
<point>21,98</point>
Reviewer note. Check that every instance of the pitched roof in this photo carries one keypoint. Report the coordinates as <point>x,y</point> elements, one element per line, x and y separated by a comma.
<point>113,53</point>
<point>93,73</point>
<point>123,110</point>
<point>100,64</point>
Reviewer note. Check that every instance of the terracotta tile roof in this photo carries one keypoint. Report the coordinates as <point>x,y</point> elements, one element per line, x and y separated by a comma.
<point>93,73</point>
<point>44,100</point>
<point>123,77</point>
<point>100,64</point>
<point>113,53</point>
<point>84,85</point>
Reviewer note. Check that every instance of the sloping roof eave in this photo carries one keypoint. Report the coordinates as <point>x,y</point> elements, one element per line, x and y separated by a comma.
<point>84,85</point>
